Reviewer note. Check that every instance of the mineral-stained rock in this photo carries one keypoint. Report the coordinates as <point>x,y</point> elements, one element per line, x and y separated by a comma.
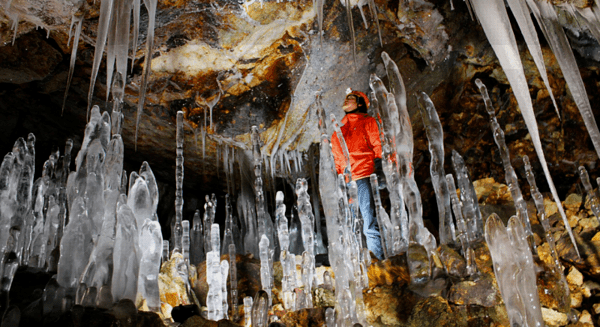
<point>554,318</point>
<point>387,272</point>
<point>198,321</point>
<point>433,311</point>
<point>305,317</point>
<point>323,297</point>
<point>453,262</point>
<point>389,305</point>
<point>172,286</point>
<point>482,291</point>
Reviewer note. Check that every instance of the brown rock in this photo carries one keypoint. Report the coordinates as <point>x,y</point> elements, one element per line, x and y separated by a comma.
<point>433,311</point>
<point>482,291</point>
<point>389,305</point>
<point>388,272</point>
<point>554,318</point>
<point>31,58</point>
<point>572,202</point>
<point>198,321</point>
<point>305,317</point>
<point>453,262</point>
<point>323,297</point>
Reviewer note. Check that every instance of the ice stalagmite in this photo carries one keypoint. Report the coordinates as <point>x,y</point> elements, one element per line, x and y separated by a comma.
<point>591,194</point>
<point>151,242</point>
<point>496,25</point>
<point>185,240</point>
<point>72,257</point>
<point>383,220</point>
<point>214,277</point>
<point>126,257</point>
<point>388,130</point>
<point>265,268</point>
<point>307,219</point>
<point>265,225</point>
<point>176,228</point>
<point>196,240</point>
<point>435,135</point>
<point>561,290</point>
<point>288,261</point>
<point>468,199</point>
<point>510,175</point>
<point>462,231</point>
<point>404,148</point>
<point>513,267</point>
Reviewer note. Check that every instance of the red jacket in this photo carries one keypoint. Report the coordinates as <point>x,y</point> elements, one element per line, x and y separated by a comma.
<point>362,138</point>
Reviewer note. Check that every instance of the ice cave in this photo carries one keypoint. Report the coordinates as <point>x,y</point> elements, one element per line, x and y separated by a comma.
<point>173,163</point>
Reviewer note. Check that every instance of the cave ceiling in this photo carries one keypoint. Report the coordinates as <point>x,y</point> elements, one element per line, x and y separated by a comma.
<point>230,65</point>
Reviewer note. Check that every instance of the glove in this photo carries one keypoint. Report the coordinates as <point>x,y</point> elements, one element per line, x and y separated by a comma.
<point>379,172</point>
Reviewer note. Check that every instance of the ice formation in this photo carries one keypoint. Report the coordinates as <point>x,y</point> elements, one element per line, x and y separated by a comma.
<point>496,25</point>
<point>514,269</point>
<point>510,175</point>
<point>591,194</point>
<point>435,135</point>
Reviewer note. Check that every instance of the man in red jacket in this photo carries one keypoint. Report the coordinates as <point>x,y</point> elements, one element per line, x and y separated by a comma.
<point>361,134</point>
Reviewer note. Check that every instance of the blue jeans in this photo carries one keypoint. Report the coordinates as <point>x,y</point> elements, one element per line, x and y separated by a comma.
<point>367,210</point>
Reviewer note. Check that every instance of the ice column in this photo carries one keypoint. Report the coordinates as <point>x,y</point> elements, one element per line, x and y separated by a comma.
<point>435,135</point>
<point>176,228</point>
<point>594,202</point>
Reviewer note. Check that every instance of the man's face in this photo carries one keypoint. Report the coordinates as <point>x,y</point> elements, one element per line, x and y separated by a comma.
<point>350,103</point>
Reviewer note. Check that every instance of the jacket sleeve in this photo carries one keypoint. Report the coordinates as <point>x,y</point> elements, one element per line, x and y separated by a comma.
<point>338,154</point>
<point>373,134</point>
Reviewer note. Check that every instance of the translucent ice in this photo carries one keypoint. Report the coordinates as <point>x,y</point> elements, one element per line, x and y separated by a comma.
<point>435,135</point>
<point>151,242</point>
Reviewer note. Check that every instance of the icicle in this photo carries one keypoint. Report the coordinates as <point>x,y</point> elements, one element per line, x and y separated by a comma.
<point>74,20</point>
<point>351,29</point>
<point>521,14</point>
<point>318,7</point>
<point>136,29</point>
<point>374,13</point>
<point>496,25</point>
<point>106,7</point>
<point>233,282</point>
<point>151,7</point>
